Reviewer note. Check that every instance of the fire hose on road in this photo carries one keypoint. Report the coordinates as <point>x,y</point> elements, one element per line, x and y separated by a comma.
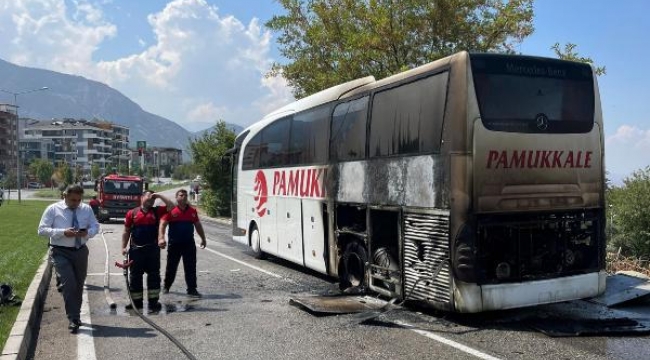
<point>125,265</point>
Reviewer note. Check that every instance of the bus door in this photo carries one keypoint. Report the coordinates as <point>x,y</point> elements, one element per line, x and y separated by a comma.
<point>231,158</point>
<point>289,222</point>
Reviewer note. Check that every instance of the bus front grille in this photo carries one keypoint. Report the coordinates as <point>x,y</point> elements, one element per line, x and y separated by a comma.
<point>426,257</point>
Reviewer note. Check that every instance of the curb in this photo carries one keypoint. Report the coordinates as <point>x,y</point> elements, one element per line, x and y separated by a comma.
<point>222,221</point>
<point>23,332</point>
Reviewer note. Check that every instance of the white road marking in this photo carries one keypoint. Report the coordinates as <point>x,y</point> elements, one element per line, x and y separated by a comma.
<point>244,263</point>
<point>456,345</point>
<point>85,342</point>
<point>102,274</point>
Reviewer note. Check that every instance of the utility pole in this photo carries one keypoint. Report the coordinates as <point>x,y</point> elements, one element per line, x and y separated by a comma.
<point>611,221</point>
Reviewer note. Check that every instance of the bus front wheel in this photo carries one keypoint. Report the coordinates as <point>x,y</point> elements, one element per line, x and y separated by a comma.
<point>352,266</point>
<point>255,243</point>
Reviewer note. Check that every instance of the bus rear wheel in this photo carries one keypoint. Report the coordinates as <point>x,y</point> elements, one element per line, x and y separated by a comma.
<point>352,266</point>
<point>255,243</point>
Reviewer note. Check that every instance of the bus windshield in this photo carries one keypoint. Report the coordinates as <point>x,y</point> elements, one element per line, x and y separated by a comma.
<point>122,187</point>
<point>533,95</point>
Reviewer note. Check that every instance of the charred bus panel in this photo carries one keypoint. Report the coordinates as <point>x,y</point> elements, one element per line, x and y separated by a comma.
<point>394,192</point>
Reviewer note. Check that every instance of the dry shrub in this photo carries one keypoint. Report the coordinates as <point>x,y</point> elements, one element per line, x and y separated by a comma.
<point>616,262</point>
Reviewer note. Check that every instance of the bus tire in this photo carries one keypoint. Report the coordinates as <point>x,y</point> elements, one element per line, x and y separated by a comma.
<point>256,242</point>
<point>352,266</point>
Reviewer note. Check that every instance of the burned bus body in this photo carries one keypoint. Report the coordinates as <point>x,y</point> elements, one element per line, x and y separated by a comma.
<point>472,183</point>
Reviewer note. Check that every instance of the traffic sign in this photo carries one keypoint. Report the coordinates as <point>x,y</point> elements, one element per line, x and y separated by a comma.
<point>142,145</point>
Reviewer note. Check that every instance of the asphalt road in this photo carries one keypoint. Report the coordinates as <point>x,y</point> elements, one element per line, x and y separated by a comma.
<point>245,314</point>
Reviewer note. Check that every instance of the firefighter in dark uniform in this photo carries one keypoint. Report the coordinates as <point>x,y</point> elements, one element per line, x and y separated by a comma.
<point>182,220</point>
<point>141,231</point>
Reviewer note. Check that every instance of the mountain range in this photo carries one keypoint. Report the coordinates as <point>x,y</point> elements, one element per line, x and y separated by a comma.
<point>70,96</point>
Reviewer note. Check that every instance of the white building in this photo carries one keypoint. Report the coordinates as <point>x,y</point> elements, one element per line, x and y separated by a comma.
<point>80,143</point>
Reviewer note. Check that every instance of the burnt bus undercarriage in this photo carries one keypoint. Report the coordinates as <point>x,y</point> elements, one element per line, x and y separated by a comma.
<point>395,252</point>
<point>405,253</point>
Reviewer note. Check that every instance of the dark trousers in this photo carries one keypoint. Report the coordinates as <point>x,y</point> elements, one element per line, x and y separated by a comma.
<point>71,266</point>
<point>145,260</point>
<point>176,251</point>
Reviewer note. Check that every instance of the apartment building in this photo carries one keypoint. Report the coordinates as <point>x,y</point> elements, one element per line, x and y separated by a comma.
<point>158,161</point>
<point>79,143</point>
<point>82,144</point>
<point>7,139</point>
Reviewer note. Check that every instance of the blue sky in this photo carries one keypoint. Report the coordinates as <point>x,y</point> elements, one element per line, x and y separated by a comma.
<point>615,36</point>
<point>196,61</point>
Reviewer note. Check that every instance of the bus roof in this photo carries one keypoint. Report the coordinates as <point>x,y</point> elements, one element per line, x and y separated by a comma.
<point>437,64</point>
<point>321,97</point>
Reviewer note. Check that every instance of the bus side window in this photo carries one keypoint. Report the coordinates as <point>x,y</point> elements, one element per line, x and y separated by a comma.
<point>251,158</point>
<point>407,119</point>
<point>348,139</point>
<point>309,136</point>
<point>274,148</point>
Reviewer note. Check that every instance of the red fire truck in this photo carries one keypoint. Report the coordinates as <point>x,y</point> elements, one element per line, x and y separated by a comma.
<point>117,194</point>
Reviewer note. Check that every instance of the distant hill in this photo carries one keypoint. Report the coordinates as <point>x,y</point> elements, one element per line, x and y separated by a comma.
<point>76,97</point>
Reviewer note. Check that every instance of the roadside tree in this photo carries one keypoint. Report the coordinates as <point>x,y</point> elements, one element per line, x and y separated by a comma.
<point>42,170</point>
<point>207,153</point>
<point>184,171</point>
<point>95,171</point>
<point>328,42</point>
<point>9,180</point>
<point>63,175</point>
<point>569,53</point>
<point>627,207</point>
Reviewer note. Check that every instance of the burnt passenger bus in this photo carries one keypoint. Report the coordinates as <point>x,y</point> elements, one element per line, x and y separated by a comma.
<point>472,183</point>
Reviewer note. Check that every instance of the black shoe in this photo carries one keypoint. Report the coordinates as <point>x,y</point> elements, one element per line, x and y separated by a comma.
<point>193,293</point>
<point>166,290</point>
<point>155,306</point>
<point>77,322</point>
<point>138,305</point>
<point>73,327</point>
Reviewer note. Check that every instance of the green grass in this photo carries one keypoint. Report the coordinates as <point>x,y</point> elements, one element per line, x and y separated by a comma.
<point>56,194</point>
<point>21,252</point>
<point>157,188</point>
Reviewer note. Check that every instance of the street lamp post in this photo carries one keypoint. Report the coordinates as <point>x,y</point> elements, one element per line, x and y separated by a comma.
<point>18,164</point>
<point>611,221</point>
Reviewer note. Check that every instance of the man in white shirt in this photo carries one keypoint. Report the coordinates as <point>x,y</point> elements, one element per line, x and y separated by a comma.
<point>69,224</point>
